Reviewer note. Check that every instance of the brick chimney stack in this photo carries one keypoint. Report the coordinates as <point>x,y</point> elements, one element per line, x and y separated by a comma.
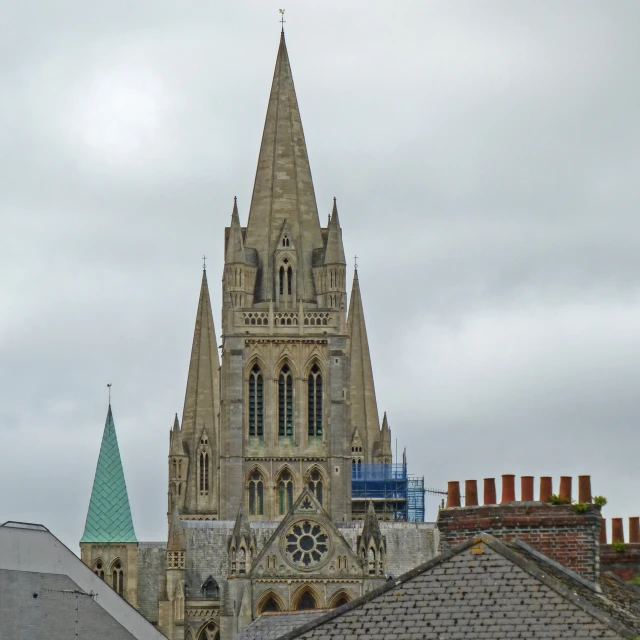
<point>620,557</point>
<point>568,535</point>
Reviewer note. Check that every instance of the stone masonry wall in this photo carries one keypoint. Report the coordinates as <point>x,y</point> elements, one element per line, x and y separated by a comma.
<point>557,531</point>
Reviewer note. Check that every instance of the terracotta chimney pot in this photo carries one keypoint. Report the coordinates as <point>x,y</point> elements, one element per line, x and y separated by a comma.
<point>584,489</point>
<point>470,493</point>
<point>508,488</point>
<point>546,488</point>
<point>565,488</point>
<point>603,531</point>
<point>526,488</point>
<point>634,530</point>
<point>617,531</point>
<point>489,491</point>
<point>453,494</point>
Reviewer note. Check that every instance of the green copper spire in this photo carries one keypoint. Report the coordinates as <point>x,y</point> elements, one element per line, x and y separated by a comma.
<point>109,517</point>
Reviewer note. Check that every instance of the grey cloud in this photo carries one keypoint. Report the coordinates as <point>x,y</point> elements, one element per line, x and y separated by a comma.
<point>485,159</point>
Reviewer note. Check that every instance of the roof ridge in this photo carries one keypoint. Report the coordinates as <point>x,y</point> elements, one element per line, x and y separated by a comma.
<point>496,545</point>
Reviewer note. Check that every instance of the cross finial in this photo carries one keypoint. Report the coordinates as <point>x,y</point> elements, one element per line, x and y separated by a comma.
<point>109,391</point>
<point>204,263</point>
<point>355,262</point>
<point>282,20</point>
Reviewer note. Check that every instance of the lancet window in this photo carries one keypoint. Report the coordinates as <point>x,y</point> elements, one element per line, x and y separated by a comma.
<point>117,574</point>
<point>204,465</point>
<point>285,402</point>
<point>315,402</point>
<point>315,485</point>
<point>256,494</point>
<point>285,492</point>
<point>256,402</point>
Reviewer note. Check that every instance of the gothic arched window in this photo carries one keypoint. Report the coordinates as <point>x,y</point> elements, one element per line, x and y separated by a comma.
<point>118,577</point>
<point>256,494</point>
<point>285,492</point>
<point>315,485</point>
<point>204,463</point>
<point>315,402</point>
<point>281,281</point>
<point>210,588</point>
<point>99,569</point>
<point>285,402</point>
<point>306,602</point>
<point>289,279</point>
<point>256,413</point>
<point>270,606</point>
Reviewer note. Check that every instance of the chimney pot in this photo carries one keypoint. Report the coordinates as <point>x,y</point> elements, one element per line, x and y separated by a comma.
<point>526,488</point>
<point>584,489</point>
<point>617,531</point>
<point>508,488</point>
<point>453,494</point>
<point>634,530</point>
<point>565,488</point>
<point>470,493</point>
<point>603,531</point>
<point>546,488</point>
<point>489,491</point>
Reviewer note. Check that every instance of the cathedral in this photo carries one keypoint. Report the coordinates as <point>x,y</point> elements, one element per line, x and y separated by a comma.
<point>278,421</point>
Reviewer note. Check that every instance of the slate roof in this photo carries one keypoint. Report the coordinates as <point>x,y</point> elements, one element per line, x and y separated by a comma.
<point>109,515</point>
<point>272,625</point>
<point>485,588</point>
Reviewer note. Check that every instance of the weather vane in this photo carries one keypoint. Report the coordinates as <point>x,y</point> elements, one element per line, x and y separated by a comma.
<point>204,263</point>
<point>109,390</point>
<point>355,262</point>
<point>282,20</point>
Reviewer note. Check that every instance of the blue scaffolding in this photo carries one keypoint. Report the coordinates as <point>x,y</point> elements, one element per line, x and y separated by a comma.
<point>395,494</point>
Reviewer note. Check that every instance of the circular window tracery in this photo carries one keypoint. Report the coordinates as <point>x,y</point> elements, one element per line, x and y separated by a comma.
<point>306,545</point>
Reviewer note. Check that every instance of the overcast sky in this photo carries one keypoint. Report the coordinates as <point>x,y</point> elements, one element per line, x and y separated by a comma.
<point>485,157</point>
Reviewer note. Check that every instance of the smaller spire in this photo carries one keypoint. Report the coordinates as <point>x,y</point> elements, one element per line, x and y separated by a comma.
<point>334,252</point>
<point>235,243</point>
<point>175,541</point>
<point>370,529</point>
<point>109,514</point>
<point>177,448</point>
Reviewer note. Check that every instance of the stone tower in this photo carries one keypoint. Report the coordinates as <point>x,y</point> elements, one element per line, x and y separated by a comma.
<point>109,544</point>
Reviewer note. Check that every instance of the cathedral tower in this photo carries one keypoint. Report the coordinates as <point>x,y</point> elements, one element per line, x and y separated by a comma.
<point>284,373</point>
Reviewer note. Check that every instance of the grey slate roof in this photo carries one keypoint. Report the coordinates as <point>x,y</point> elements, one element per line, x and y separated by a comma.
<point>484,588</point>
<point>43,605</point>
<point>272,625</point>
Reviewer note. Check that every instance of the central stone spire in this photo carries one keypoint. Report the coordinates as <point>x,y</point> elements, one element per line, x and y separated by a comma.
<point>283,189</point>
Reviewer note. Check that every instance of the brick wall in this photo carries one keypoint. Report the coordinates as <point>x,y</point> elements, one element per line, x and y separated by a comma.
<point>625,564</point>
<point>557,531</point>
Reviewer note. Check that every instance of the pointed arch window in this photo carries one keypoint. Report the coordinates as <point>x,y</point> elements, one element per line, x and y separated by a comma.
<point>256,494</point>
<point>314,404</point>
<point>315,485</point>
<point>210,588</point>
<point>270,606</point>
<point>281,273</point>
<point>204,465</point>
<point>117,574</point>
<point>285,492</point>
<point>99,569</point>
<point>256,402</point>
<point>289,280</point>
<point>285,402</point>
<point>306,602</point>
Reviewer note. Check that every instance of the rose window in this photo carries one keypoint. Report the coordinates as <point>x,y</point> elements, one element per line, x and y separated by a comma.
<point>306,545</point>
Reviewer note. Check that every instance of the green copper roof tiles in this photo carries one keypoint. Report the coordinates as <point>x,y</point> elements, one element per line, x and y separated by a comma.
<point>109,516</point>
